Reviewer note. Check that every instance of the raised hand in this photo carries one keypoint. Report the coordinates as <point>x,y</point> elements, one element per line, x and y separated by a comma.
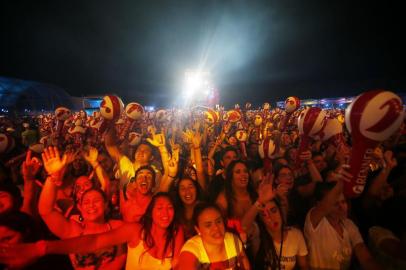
<point>196,125</point>
<point>157,140</point>
<point>91,155</point>
<point>30,167</point>
<point>172,167</point>
<point>187,136</point>
<point>52,161</point>
<point>175,151</point>
<point>266,192</point>
<point>306,155</point>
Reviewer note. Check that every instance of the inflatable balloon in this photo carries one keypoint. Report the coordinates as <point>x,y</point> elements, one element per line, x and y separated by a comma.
<point>258,120</point>
<point>211,117</point>
<point>241,135</point>
<point>371,118</point>
<point>7,143</point>
<point>133,112</point>
<point>291,105</point>
<point>111,109</point>
<point>232,116</point>
<point>266,150</point>
<point>310,123</point>
<point>333,133</point>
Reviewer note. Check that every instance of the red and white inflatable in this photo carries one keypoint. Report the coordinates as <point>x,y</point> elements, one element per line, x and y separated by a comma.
<point>371,118</point>
<point>311,122</point>
<point>232,116</point>
<point>211,117</point>
<point>266,150</point>
<point>133,112</point>
<point>333,133</point>
<point>111,109</point>
<point>291,105</point>
<point>242,136</point>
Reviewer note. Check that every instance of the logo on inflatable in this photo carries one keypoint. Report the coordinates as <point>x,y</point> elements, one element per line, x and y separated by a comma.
<point>111,107</point>
<point>134,111</point>
<point>211,116</point>
<point>311,121</point>
<point>241,135</point>
<point>376,116</point>
<point>371,118</point>
<point>232,116</point>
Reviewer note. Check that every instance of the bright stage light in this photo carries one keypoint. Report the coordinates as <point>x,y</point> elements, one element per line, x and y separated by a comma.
<point>198,89</point>
<point>197,85</point>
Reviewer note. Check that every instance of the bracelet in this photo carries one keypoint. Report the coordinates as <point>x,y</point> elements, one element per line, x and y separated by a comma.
<point>57,181</point>
<point>258,205</point>
<point>171,176</point>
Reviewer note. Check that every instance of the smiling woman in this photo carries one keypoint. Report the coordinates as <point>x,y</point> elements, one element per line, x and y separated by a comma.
<point>154,243</point>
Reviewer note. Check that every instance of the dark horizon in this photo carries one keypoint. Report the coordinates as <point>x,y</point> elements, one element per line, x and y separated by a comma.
<point>256,52</point>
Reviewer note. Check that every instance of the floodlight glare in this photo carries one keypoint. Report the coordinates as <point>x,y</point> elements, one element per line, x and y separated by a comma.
<point>197,87</point>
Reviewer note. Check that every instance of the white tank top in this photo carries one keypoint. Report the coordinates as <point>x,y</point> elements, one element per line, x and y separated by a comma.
<point>138,259</point>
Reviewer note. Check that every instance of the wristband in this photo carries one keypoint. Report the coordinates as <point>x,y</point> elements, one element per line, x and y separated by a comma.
<point>57,181</point>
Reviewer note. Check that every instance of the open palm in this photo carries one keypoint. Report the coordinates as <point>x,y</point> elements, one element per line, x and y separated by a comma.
<point>52,160</point>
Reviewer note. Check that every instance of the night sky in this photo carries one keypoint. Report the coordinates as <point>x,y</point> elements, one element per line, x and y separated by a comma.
<point>256,51</point>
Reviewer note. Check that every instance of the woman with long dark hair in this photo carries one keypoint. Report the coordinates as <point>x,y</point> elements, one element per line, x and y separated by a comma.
<point>187,193</point>
<point>239,193</point>
<point>154,243</point>
<point>280,247</point>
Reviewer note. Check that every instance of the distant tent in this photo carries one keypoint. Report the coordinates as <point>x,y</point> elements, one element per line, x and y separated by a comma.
<point>28,96</point>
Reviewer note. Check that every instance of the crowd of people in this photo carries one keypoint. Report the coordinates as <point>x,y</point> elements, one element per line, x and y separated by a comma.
<point>193,189</point>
